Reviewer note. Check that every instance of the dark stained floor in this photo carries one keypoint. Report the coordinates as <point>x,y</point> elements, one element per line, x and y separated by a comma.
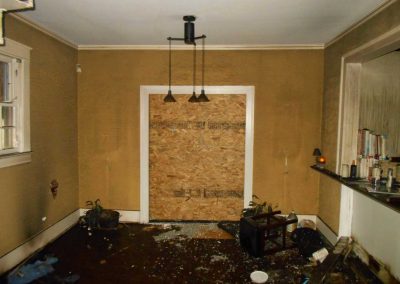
<point>138,253</point>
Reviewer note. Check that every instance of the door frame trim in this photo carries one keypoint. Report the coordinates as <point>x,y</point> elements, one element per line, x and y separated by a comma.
<point>147,90</point>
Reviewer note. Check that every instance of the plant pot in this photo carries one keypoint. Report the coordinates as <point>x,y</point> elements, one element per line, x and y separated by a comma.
<point>108,219</point>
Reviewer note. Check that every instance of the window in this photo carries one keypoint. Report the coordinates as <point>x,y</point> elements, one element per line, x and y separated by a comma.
<point>14,104</point>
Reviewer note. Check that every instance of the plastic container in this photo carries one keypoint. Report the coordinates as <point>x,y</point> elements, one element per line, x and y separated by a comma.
<point>291,227</point>
<point>258,276</point>
<point>353,170</point>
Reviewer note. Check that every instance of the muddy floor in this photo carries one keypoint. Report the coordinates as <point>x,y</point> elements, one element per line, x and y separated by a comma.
<point>165,253</point>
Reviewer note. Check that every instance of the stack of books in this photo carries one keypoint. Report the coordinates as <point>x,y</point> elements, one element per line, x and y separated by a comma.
<point>371,148</point>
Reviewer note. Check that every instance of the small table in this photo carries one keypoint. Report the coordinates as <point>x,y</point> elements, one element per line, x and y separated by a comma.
<point>259,232</point>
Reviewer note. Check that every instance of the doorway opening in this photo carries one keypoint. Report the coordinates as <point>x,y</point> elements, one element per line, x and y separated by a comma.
<point>171,132</point>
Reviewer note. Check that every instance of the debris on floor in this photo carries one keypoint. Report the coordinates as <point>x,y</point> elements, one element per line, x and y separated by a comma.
<point>171,253</point>
<point>324,270</point>
<point>308,241</point>
<point>190,230</point>
<point>30,272</point>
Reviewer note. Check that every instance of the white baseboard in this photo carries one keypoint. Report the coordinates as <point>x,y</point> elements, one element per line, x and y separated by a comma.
<point>326,231</point>
<point>17,255</point>
<point>126,216</point>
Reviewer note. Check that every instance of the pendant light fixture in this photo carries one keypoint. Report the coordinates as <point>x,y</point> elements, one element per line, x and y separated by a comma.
<point>202,98</point>
<point>189,38</point>
<point>169,98</point>
<point>193,98</point>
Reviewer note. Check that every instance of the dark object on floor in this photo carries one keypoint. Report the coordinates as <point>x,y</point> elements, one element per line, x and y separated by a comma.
<point>30,272</point>
<point>324,269</point>
<point>108,219</point>
<point>264,233</point>
<point>73,278</point>
<point>307,240</point>
<point>99,218</point>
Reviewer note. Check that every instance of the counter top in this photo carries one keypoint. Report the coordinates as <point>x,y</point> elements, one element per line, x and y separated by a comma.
<point>380,195</point>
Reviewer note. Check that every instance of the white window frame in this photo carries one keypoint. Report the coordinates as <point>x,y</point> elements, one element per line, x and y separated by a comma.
<point>18,55</point>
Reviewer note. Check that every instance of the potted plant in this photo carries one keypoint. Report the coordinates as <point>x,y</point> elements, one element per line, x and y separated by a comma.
<point>99,218</point>
<point>256,208</point>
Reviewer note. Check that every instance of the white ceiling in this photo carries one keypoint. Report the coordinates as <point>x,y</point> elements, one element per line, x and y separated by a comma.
<point>225,22</point>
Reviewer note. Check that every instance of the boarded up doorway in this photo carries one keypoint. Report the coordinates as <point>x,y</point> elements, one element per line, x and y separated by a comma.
<point>196,158</point>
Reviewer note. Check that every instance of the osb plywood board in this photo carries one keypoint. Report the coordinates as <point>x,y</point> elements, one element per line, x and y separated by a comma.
<point>197,158</point>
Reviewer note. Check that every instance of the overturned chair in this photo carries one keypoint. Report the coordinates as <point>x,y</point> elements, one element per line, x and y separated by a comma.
<point>265,233</point>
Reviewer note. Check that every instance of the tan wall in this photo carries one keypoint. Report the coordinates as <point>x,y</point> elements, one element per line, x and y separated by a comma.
<point>288,101</point>
<point>25,189</point>
<point>329,209</point>
<point>381,23</point>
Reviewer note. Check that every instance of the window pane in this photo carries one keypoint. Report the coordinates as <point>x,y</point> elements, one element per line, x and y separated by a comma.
<point>7,136</point>
<point>7,117</point>
<point>4,80</point>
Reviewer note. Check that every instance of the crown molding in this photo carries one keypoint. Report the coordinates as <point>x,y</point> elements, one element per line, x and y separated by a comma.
<point>166,46</point>
<point>359,23</point>
<point>316,46</point>
<point>44,30</point>
<point>207,47</point>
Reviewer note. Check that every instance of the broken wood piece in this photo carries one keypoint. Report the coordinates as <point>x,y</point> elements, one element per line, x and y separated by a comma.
<point>331,260</point>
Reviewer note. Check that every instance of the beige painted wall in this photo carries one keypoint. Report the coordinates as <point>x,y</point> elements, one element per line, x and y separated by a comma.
<point>288,101</point>
<point>25,189</point>
<point>329,210</point>
<point>376,26</point>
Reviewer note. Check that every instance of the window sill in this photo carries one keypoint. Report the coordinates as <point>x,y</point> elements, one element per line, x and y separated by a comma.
<point>15,159</point>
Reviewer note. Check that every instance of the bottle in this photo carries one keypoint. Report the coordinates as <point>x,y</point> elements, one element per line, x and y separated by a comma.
<point>376,174</point>
<point>291,227</point>
<point>353,170</point>
<point>376,171</point>
<point>389,178</point>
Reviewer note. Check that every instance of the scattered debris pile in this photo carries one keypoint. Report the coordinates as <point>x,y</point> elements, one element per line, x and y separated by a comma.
<point>29,272</point>
<point>182,253</point>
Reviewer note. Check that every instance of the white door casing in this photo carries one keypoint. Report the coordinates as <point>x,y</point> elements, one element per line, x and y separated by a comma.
<point>146,91</point>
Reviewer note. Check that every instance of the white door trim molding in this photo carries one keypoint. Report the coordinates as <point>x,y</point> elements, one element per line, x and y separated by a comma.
<point>145,92</point>
<point>346,211</point>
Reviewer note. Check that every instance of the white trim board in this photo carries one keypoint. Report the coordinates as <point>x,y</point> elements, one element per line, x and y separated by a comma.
<point>19,254</point>
<point>207,47</point>
<point>145,92</point>
<point>346,211</point>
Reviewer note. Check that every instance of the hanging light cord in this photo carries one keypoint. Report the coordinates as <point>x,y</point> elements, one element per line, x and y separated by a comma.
<point>194,67</point>
<point>170,69</point>
<point>202,65</point>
